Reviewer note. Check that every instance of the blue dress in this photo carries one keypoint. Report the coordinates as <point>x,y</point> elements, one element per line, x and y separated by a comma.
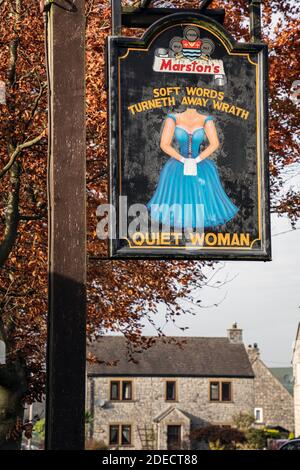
<point>203,190</point>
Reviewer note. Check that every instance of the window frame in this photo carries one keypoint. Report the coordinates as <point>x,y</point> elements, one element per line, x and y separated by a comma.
<point>109,434</point>
<point>179,425</point>
<point>220,391</point>
<point>261,420</point>
<point>230,391</point>
<point>120,427</point>
<point>121,435</point>
<point>119,390</point>
<point>214,382</point>
<point>122,390</point>
<point>175,391</point>
<point>120,383</point>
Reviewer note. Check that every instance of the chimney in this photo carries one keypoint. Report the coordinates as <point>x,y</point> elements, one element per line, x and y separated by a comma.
<point>235,334</point>
<point>253,352</point>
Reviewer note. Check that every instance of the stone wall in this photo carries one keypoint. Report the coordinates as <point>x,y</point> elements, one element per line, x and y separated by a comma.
<point>270,395</point>
<point>191,410</point>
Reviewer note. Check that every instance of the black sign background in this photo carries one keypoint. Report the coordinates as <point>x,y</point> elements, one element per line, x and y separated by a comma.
<point>136,157</point>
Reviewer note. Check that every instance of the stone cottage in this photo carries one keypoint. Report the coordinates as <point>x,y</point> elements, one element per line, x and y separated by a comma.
<point>296,370</point>
<point>156,400</point>
<point>273,401</point>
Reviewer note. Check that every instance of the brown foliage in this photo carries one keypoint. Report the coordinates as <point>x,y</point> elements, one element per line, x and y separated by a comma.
<point>226,435</point>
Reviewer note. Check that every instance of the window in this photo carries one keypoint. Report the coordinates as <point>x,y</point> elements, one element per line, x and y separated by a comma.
<point>170,390</point>
<point>226,391</point>
<point>115,390</point>
<point>220,391</point>
<point>174,437</point>
<point>214,391</point>
<point>114,435</point>
<point>120,390</point>
<point>127,390</point>
<point>126,435</point>
<point>258,415</point>
<point>120,434</point>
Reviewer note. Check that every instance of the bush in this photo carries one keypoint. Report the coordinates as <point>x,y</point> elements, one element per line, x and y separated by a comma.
<point>39,429</point>
<point>93,444</point>
<point>221,436</point>
<point>256,438</point>
<point>216,445</point>
<point>272,433</point>
<point>243,421</point>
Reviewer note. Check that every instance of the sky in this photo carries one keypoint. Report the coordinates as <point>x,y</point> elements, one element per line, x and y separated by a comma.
<point>262,297</point>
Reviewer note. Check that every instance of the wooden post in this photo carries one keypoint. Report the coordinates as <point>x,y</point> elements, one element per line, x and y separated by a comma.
<point>65,401</point>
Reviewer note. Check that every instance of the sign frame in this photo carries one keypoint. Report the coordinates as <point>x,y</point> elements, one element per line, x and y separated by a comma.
<point>233,48</point>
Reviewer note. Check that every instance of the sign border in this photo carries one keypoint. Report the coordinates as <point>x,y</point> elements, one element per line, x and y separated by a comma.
<point>115,150</point>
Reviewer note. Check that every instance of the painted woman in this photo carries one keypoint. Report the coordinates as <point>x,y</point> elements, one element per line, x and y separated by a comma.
<point>190,178</point>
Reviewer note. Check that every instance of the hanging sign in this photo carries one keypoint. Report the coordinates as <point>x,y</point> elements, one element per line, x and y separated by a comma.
<point>188,144</point>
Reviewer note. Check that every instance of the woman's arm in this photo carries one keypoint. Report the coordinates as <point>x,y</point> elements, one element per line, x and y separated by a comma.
<point>211,133</point>
<point>166,140</point>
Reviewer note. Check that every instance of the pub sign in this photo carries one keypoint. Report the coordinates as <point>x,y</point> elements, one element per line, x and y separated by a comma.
<point>188,144</point>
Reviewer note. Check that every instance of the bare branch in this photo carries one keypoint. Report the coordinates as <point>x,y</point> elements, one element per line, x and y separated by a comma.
<point>35,105</point>
<point>32,217</point>
<point>286,231</point>
<point>17,294</point>
<point>19,149</point>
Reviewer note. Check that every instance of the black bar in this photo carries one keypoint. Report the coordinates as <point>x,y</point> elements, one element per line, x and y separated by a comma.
<point>255,20</point>
<point>116,14</point>
<point>130,459</point>
<point>65,398</point>
<point>145,17</point>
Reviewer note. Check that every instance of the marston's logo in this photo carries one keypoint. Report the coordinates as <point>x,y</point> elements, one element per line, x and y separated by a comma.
<point>189,54</point>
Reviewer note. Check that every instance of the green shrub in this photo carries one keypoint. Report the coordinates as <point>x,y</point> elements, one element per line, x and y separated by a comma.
<point>39,428</point>
<point>272,433</point>
<point>216,445</point>
<point>243,421</point>
<point>256,438</point>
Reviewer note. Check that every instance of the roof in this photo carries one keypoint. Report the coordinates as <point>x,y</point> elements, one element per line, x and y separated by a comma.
<point>197,356</point>
<point>284,375</point>
<point>161,416</point>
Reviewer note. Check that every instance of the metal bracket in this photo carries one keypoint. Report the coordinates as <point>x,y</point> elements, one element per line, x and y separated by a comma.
<point>255,20</point>
<point>204,4</point>
<point>143,16</point>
